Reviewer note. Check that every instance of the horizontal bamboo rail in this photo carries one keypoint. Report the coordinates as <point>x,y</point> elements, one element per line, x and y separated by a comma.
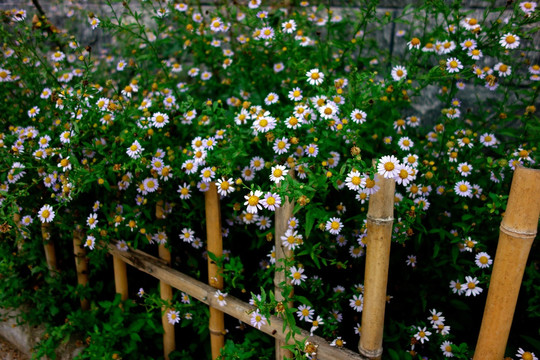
<point>234,307</point>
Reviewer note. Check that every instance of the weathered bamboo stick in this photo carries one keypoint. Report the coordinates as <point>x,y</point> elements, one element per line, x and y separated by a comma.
<point>234,307</point>
<point>215,246</point>
<point>169,344</point>
<point>48,246</point>
<point>18,238</point>
<point>380,218</point>
<point>120,277</point>
<point>282,216</point>
<point>517,232</point>
<point>81,263</point>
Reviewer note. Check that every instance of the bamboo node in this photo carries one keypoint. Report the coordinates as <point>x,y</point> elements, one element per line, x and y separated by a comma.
<point>517,233</point>
<point>217,332</point>
<point>380,221</point>
<point>370,353</point>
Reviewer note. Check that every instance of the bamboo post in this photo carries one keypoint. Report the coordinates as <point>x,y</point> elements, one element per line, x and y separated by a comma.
<point>120,277</point>
<point>81,263</point>
<point>517,232</point>
<point>380,218</point>
<point>48,245</point>
<point>283,214</point>
<point>215,246</point>
<point>169,344</point>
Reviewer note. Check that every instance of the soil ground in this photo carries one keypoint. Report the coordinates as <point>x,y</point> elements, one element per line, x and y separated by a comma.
<point>10,352</point>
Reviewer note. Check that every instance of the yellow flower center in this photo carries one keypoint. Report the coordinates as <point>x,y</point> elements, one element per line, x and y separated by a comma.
<point>356,180</point>
<point>422,334</point>
<point>328,111</point>
<point>453,64</point>
<point>370,183</point>
<point>315,75</point>
<point>527,356</point>
<point>160,119</point>
<point>483,260</point>
<point>335,225</point>
<point>510,39</point>
<point>133,147</point>
<point>389,166</point>
<point>206,173</point>
<point>465,168</point>
<point>463,188</point>
<point>415,41</point>
<point>263,122</point>
<point>403,174</point>
<point>253,200</point>
<point>278,173</point>
<point>225,185</point>
<point>184,191</point>
<point>271,200</point>
<point>399,73</point>
<point>471,285</point>
<point>45,214</point>
<point>503,68</point>
<point>64,162</point>
<point>150,184</point>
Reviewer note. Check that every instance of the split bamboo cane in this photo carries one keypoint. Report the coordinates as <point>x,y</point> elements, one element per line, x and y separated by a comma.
<point>169,344</point>
<point>120,277</point>
<point>283,214</point>
<point>81,263</point>
<point>48,245</point>
<point>380,218</point>
<point>215,246</point>
<point>517,232</point>
<point>234,307</point>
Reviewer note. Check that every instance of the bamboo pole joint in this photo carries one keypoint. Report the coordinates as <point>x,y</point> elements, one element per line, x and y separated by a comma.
<point>379,220</point>
<point>370,354</point>
<point>516,233</point>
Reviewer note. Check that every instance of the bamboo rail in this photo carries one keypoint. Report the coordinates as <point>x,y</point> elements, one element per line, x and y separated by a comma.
<point>215,247</point>
<point>81,263</point>
<point>48,246</point>
<point>517,232</point>
<point>282,216</point>
<point>234,307</point>
<point>380,218</point>
<point>166,293</point>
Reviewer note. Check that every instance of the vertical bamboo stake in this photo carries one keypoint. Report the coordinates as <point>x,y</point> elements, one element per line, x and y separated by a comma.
<point>18,238</point>
<point>48,245</point>
<point>215,246</point>
<point>380,218</point>
<point>283,214</point>
<point>81,263</point>
<point>169,344</point>
<point>120,277</point>
<point>517,232</point>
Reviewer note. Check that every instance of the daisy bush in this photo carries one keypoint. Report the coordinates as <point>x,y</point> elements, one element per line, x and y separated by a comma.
<point>272,102</point>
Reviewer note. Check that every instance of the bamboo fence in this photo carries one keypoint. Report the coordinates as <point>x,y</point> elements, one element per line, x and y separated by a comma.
<point>518,230</point>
